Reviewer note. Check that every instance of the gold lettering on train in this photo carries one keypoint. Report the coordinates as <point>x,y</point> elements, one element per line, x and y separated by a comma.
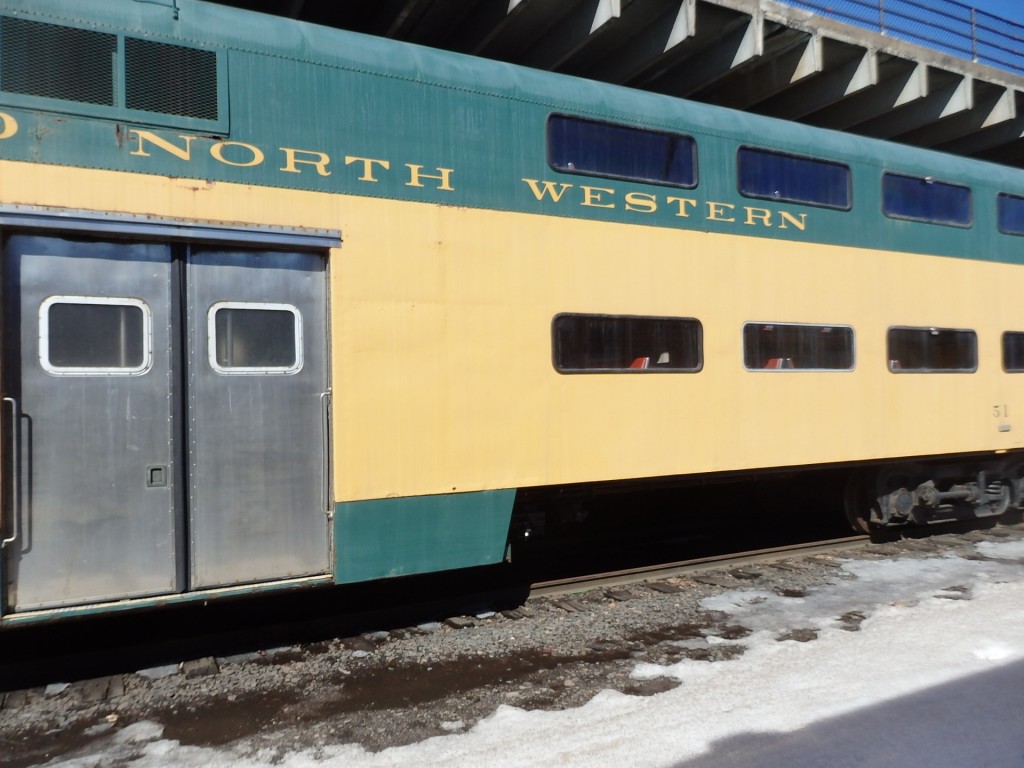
<point>368,163</point>
<point>10,125</point>
<point>685,204</point>
<point>593,197</point>
<point>256,155</point>
<point>798,222</point>
<point>182,153</point>
<point>416,173</point>
<point>641,202</point>
<point>648,202</point>
<point>541,189</point>
<point>318,160</point>
<point>758,214</point>
<point>719,211</point>
<point>240,154</point>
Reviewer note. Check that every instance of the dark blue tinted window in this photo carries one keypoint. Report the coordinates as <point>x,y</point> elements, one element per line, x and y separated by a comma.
<point>1011,214</point>
<point>608,343</point>
<point>618,151</point>
<point>774,176</point>
<point>911,197</point>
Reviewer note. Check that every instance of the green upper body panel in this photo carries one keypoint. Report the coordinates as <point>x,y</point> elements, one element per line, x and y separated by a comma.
<point>307,107</point>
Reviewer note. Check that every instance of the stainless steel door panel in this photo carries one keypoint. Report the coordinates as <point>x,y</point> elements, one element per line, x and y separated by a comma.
<point>257,372</point>
<point>96,510</point>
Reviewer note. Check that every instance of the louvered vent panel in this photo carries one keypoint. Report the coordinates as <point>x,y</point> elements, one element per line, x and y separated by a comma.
<point>57,62</point>
<point>171,79</point>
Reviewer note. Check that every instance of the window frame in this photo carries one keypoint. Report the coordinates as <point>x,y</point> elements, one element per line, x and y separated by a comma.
<point>694,163</point>
<point>932,330</point>
<point>693,322</point>
<point>928,180</point>
<point>999,210</point>
<point>806,158</point>
<point>114,301</point>
<point>819,326</point>
<point>1002,346</point>
<point>253,370</point>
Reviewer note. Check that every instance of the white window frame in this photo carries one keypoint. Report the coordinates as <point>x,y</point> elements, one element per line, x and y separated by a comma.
<point>262,370</point>
<point>57,370</point>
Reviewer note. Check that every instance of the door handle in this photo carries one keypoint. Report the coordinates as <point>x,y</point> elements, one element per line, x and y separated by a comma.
<point>325,433</point>
<point>14,467</point>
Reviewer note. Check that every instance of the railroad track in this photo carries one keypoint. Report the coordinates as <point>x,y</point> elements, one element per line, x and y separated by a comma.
<point>611,579</point>
<point>89,651</point>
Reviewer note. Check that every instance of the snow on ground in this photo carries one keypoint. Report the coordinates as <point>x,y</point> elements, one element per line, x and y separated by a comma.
<point>934,677</point>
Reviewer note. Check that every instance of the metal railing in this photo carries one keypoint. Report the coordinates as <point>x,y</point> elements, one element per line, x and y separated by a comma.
<point>943,25</point>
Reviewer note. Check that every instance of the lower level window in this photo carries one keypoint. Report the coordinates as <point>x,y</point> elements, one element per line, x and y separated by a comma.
<point>626,344</point>
<point>1013,352</point>
<point>781,346</point>
<point>935,350</point>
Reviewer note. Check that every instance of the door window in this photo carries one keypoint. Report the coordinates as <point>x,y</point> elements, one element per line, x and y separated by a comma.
<point>95,336</point>
<point>252,338</point>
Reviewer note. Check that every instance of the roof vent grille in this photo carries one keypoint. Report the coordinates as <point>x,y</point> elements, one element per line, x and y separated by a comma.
<point>57,62</point>
<point>171,79</point>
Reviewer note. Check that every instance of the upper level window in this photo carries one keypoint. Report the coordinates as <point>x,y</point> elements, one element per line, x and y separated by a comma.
<point>777,176</point>
<point>924,199</point>
<point>95,336</point>
<point>781,346</point>
<point>1011,214</point>
<point>616,343</point>
<point>1013,352</point>
<point>593,148</point>
<point>935,350</point>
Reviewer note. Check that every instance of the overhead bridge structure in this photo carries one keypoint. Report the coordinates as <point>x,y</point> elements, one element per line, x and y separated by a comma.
<point>933,73</point>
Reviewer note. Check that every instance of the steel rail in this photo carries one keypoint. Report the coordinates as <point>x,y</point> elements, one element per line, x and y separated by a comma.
<point>609,579</point>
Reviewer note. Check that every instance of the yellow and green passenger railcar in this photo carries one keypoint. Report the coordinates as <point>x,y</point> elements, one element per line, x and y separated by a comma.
<point>287,306</point>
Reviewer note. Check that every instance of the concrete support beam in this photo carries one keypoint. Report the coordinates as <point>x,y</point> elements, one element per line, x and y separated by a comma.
<point>523,24</point>
<point>570,33</point>
<point>405,20</point>
<point>993,137</point>
<point>484,23</point>
<point>957,95</point>
<point>1007,154</point>
<point>992,105</point>
<point>742,43</point>
<point>901,82</point>
<point>293,8</point>
<point>834,83</point>
<point>778,70</point>
<point>649,47</point>
<point>766,56</point>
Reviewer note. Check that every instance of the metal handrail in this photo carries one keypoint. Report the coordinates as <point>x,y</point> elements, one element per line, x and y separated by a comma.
<point>15,469</point>
<point>943,25</point>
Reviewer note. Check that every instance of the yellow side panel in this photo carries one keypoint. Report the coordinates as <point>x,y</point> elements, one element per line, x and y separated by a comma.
<point>458,334</point>
<point>441,328</point>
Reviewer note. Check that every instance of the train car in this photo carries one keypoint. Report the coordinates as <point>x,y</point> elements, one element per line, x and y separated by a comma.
<point>286,306</point>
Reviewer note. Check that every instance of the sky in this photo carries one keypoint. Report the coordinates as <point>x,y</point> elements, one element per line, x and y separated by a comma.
<point>934,678</point>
